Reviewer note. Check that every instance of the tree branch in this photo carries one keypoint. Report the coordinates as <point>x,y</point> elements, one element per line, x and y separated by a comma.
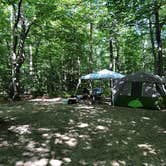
<point>29,27</point>
<point>18,13</point>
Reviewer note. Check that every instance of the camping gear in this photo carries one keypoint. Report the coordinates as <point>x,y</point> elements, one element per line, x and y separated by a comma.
<point>100,75</point>
<point>97,91</point>
<point>86,94</point>
<point>140,90</point>
<point>97,94</point>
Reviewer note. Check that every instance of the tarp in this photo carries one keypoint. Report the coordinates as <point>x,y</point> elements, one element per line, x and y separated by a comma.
<point>101,75</point>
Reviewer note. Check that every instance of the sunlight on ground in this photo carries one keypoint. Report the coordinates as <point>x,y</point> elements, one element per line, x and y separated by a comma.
<point>32,146</point>
<point>145,118</point>
<point>43,129</point>
<point>48,100</point>
<point>87,107</point>
<point>72,142</point>
<point>34,162</point>
<point>55,162</point>
<point>3,143</point>
<point>83,125</point>
<point>40,162</point>
<point>22,129</point>
<point>57,134</point>
<point>118,163</point>
<point>101,128</point>
<point>159,129</point>
<point>147,147</point>
<point>43,101</point>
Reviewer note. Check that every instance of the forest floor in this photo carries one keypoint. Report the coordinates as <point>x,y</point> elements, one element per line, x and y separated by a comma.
<point>44,132</point>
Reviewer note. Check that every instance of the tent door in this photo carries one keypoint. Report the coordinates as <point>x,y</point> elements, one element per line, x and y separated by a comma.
<point>136,89</point>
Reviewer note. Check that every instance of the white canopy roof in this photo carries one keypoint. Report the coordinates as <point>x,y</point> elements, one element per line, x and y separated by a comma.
<point>103,74</point>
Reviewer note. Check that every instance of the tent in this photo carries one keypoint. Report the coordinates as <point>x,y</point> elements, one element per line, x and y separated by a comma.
<point>100,75</point>
<point>140,90</point>
<point>103,74</point>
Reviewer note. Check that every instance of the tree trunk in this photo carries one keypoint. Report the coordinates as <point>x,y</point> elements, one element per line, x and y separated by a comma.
<point>14,84</point>
<point>18,37</point>
<point>31,73</point>
<point>50,80</point>
<point>91,48</point>
<point>35,60</point>
<point>159,41</point>
<point>111,66</point>
<point>116,45</point>
<point>153,46</point>
<point>144,55</point>
<point>111,52</point>
<point>117,53</point>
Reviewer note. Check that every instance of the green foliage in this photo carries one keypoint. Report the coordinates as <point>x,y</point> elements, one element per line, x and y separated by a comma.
<point>60,40</point>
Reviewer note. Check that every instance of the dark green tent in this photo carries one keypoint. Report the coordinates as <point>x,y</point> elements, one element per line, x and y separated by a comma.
<point>140,90</point>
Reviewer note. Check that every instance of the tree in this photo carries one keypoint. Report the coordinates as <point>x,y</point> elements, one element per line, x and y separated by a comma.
<point>20,28</point>
<point>46,46</point>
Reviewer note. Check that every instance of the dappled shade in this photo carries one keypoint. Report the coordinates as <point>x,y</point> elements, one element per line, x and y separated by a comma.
<point>40,134</point>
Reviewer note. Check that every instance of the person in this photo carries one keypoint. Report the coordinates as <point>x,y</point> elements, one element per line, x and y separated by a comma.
<point>97,93</point>
<point>86,93</point>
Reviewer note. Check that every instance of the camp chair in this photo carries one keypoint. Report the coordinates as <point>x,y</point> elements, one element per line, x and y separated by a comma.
<point>97,94</point>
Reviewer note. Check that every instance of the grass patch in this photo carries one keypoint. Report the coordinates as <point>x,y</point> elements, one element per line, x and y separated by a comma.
<point>56,134</point>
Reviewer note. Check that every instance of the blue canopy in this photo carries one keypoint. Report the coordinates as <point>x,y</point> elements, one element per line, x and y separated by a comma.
<point>103,74</point>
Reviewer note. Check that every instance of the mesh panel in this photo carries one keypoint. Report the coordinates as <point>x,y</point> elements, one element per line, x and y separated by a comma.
<point>126,89</point>
<point>150,90</point>
<point>136,89</point>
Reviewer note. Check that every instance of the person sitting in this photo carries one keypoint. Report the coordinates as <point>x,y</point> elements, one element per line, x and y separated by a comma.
<point>97,94</point>
<point>86,94</point>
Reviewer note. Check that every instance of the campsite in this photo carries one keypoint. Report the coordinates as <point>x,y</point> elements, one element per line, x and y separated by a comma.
<point>82,82</point>
<point>44,133</point>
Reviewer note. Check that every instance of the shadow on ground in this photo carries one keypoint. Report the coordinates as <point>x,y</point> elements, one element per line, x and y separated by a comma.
<point>40,134</point>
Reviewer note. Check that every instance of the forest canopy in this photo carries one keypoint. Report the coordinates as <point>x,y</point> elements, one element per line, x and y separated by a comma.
<point>45,46</point>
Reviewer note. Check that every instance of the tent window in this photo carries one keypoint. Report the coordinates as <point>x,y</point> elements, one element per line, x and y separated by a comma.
<point>126,90</point>
<point>136,89</point>
<point>150,90</point>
